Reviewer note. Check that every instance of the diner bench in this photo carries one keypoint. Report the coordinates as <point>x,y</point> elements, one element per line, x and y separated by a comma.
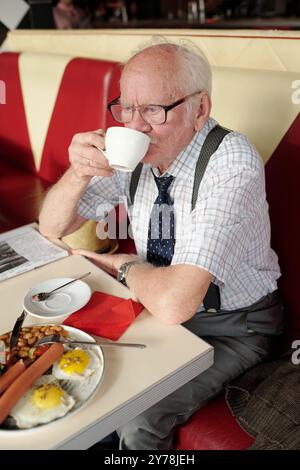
<point>51,97</point>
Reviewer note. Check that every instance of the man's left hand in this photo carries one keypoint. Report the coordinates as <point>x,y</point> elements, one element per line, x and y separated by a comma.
<point>109,263</point>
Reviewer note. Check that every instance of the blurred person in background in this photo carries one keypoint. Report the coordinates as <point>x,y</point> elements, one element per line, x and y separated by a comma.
<point>69,16</point>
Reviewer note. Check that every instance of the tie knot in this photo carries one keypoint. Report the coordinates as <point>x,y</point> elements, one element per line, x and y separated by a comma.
<point>163,183</point>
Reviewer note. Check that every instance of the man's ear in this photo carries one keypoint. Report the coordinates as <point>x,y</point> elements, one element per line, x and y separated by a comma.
<point>203,110</point>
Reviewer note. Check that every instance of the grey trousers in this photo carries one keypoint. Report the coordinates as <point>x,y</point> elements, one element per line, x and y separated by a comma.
<point>155,428</point>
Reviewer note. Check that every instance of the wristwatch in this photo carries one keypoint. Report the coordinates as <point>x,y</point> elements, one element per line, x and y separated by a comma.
<point>123,270</point>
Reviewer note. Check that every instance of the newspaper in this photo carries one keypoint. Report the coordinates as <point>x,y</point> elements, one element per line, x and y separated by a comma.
<point>23,249</point>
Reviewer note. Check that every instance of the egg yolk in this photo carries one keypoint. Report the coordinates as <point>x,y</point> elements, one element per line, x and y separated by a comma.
<point>47,396</point>
<point>74,362</point>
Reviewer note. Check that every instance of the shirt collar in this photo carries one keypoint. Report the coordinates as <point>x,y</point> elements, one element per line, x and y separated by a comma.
<point>185,162</point>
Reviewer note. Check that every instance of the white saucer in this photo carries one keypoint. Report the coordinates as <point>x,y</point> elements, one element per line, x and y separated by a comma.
<point>65,301</point>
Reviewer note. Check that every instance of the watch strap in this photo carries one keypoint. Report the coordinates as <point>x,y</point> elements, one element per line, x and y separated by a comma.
<point>123,271</point>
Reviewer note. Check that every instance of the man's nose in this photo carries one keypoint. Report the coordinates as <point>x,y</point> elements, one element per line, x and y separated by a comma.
<point>138,123</point>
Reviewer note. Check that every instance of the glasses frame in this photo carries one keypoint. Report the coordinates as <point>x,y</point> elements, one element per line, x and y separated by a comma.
<point>166,108</point>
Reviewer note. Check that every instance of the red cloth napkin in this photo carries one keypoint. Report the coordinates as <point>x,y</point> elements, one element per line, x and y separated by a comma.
<point>105,315</point>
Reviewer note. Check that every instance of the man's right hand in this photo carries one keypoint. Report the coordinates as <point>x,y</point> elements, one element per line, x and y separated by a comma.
<point>86,157</point>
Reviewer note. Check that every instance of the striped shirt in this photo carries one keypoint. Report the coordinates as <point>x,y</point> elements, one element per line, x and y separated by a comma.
<point>228,232</point>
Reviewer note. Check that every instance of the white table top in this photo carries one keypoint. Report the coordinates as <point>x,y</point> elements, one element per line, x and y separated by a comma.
<point>134,379</point>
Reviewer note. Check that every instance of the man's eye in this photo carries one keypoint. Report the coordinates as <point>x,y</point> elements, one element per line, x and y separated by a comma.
<point>152,109</point>
<point>126,109</point>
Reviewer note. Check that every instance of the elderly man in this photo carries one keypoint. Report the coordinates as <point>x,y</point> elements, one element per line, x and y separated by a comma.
<point>215,272</point>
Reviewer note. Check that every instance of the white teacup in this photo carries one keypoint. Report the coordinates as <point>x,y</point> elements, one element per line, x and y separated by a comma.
<point>125,148</point>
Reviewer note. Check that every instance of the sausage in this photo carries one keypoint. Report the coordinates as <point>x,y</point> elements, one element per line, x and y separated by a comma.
<point>27,378</point>
<point>11,374</point>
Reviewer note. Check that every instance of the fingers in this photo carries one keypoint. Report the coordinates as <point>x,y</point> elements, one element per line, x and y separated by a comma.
<point>84,167</point>
<point>93,172</point>
<point>89,153</point>
<point>89,157</point>
<point>91,138</point>
<point>86,157</point>
<point>100,132</point>
<point>87,254</point>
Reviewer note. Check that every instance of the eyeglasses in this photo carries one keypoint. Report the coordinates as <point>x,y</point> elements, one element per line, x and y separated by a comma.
<point>153,114</point>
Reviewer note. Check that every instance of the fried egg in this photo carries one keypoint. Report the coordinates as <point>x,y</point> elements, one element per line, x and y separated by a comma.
<point>76,364</point>
<point>45,401</point>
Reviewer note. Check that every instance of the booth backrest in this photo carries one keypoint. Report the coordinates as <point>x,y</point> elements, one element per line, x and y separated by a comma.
<point>264,106</point>
<point>257,103</point>
<point>49,99</point>
<point>86,87</point>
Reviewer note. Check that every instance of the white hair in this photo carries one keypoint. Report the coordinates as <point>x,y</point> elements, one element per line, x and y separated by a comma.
<point>194,72</point>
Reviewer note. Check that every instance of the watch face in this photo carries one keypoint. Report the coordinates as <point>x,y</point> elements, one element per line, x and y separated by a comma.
<point>121,274</point>
<point>123,270</point>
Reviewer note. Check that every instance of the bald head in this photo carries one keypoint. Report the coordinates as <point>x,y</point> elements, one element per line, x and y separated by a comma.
<point>160,55</point>
<point>183,69</point>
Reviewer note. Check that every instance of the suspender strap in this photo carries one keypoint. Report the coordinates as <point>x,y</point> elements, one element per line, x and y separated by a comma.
<point>212,299</point>
<point>209,147</point>
<point>135,181</point>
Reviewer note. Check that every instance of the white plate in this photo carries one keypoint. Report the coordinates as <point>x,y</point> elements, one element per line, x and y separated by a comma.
<point>94,381</point>
<point>65,301</point>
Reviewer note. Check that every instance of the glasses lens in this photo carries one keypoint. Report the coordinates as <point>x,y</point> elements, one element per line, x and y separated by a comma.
<point>121,113</point>
<point>153,114</point>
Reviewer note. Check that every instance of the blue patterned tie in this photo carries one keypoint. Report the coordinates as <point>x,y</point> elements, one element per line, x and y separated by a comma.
<point>161,238</point>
